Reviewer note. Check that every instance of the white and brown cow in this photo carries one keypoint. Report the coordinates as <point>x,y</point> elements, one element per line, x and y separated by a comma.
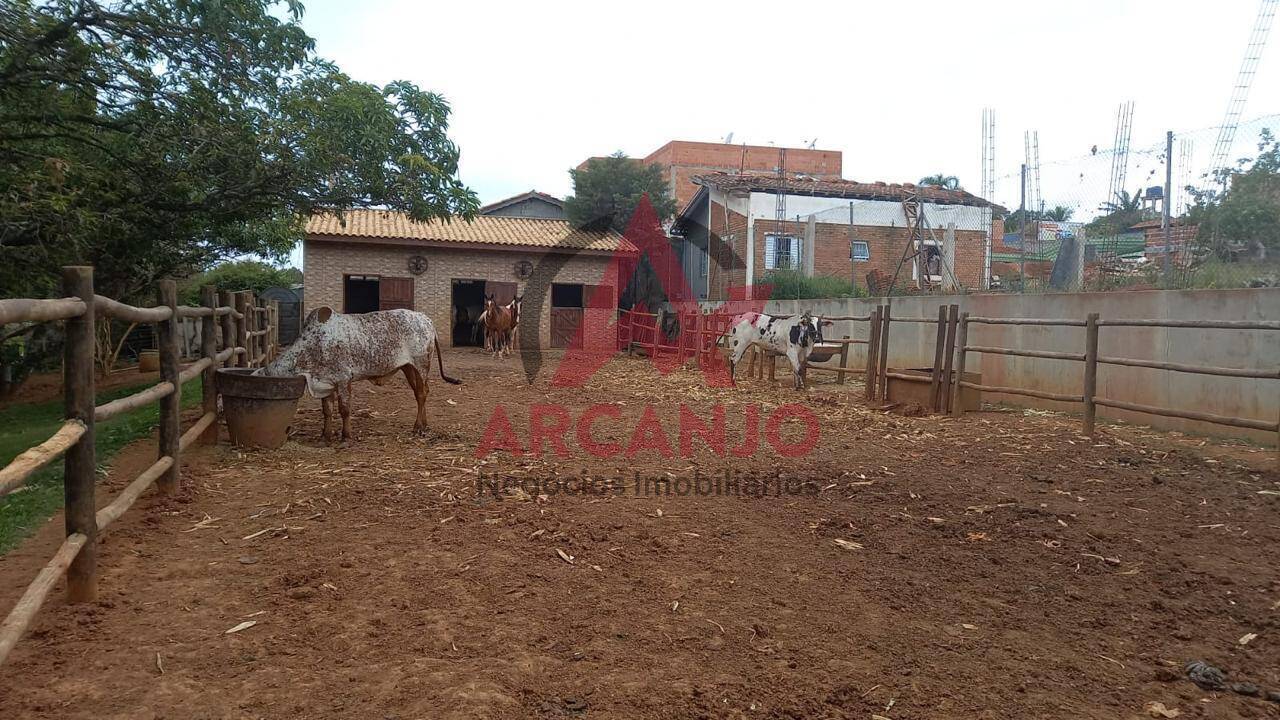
<point>792,337</point>
<point>335,349</point>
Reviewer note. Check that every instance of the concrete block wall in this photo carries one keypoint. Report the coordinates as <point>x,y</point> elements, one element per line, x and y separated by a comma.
<point>911,345</point>
<point>326,261</point>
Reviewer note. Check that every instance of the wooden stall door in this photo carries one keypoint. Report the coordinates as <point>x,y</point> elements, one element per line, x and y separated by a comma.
<point>565,325</point>
<point>395,293</point>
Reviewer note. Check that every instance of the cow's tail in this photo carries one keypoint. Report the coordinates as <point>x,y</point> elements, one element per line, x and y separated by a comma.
<point>440,362</point>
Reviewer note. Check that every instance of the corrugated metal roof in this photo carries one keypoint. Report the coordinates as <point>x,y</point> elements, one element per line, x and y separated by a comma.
<point>483,230</point>
<point>850,189</point>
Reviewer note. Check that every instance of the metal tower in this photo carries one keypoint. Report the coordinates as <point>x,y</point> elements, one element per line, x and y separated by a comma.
<point>1240,92</point>
<point>1120,151</point>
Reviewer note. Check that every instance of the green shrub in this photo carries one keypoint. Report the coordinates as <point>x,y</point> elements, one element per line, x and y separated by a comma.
<point>795,285</point>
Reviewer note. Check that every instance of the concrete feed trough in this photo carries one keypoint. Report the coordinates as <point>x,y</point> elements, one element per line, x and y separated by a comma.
<point>258,409</point>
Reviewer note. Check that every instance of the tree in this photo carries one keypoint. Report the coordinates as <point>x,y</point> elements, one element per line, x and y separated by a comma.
<point>1244,219</point>
<point>252,275</point>
<point>159,137</point>
<point>947,182</point>
<point>1058,213</point>
<point>606,192</point>
<point>1119,214</point>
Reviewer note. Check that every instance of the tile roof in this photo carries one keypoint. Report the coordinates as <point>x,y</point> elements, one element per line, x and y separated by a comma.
<point>483,230</point>
<point>841,189</point>
<point>496,205</point>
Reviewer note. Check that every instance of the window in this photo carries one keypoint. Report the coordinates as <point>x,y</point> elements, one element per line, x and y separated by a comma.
<point>782,252</point>
<point>860,251</point>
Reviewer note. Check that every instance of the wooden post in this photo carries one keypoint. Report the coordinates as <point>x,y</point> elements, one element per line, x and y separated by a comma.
<point>225,299</point>
<point>873,355</point>
<point>242,328</point>
<point>935,377</point>
<point>209,349</point>
<point>844,360</point>
<point>948,356</point>
<point>1090,371</point>
<point>883,381</point>
<point>752,352</point>
<point>773,367</point>
<point>80,462</point>
<point>962,339</point>
<point>167,344</point>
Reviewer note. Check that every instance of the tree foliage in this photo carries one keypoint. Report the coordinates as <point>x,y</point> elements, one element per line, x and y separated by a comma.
<point>236,275</point>
<point>158,137</point>
<point>1118,215</point>
<point>941,180</point>
<point>1242,221</point>
<point>607,190</point>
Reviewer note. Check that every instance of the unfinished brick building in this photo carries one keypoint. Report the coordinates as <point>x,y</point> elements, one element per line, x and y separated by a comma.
<point>729,236</point>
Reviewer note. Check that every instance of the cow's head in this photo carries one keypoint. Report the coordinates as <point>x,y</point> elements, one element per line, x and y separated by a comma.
<point>319,316</point>
<point>808,330</point>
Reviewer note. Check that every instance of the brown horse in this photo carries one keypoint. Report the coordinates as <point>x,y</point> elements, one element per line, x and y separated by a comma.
<point>499,325</point>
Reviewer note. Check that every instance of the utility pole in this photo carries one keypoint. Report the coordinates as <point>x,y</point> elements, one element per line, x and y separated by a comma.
<point>1022,237</point>
<point>853,264</point>
<point>1164,214</point>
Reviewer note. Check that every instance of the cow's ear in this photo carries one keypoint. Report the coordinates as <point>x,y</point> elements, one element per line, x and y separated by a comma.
<point>317,316</point>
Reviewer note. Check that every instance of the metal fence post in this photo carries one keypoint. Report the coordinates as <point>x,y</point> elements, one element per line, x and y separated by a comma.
<point>962,339</point>
<point>167,342</point>
<point>209,349</point>
<point>79,464</point>
<point>1090,371</point>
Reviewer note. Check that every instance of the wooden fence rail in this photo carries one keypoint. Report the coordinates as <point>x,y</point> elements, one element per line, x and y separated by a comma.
<point>225,314</point>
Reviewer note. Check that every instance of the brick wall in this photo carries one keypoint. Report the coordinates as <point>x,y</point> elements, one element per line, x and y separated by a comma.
<point>886,245</point>
<point>326,261</point>
<point>730,269</point>
<point>680,160</point>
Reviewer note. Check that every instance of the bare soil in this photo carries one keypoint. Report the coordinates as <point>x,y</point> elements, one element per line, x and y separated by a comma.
<point>995,566</point>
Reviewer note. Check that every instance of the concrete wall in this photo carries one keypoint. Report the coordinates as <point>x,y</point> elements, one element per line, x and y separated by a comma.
<point>911,345</point>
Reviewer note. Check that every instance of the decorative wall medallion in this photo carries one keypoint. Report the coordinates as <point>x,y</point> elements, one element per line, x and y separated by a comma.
<point>524,270</point>
<point>417,264</point>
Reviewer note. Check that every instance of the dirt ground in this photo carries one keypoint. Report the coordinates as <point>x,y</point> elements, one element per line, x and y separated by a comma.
<point>996,566</point>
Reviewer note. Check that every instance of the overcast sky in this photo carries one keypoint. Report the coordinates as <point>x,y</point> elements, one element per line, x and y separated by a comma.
<point>899,88</point>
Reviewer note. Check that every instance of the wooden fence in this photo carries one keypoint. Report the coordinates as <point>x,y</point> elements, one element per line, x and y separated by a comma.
<point>247,329</point>
<point>700,335</point>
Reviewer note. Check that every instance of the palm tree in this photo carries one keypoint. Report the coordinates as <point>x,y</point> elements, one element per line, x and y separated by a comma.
<point>947,182</point>
<point>1123,203</point>
<point>1059,213</point>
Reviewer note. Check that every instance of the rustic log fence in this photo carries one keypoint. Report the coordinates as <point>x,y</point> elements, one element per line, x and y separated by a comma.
<point>237,317</point>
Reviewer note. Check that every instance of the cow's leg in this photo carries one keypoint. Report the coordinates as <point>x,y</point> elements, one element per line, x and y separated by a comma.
<point>797,366</point>
<point>418,382</point>
<point>326,407</point>
<point>343,391</point>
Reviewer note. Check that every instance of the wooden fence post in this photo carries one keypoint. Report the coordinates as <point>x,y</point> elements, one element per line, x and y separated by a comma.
<point>844,360</point>
<point>275,330</point>
<point>167,342</point>
<point>209,349</point>
<point>948,357</point>
<point>242,328</point>
<point>80,462</point>
<point>882,382</point>
<point>935,376</point>
<point>228,326</point>
<point>873,355</point>
<point>1090,371</point>
<point>962,339</point>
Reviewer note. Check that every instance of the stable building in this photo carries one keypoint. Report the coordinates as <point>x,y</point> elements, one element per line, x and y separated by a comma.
<point>367,260</point>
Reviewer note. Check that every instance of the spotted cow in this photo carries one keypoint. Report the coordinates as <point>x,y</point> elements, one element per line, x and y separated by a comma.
<point>789,336</point>
<point>335,349</point>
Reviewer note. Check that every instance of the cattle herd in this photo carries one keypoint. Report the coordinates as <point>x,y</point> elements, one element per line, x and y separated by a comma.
<point>334,350</point>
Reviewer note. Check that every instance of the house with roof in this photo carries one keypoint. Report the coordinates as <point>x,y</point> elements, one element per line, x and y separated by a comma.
<point>368,259</point>
<point>729,235</point>
<point>532,204</point>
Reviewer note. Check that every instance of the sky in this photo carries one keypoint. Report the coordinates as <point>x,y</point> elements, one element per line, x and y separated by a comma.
<point>899,88</point>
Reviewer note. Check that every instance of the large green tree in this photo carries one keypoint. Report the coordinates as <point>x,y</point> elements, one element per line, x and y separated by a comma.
<point>1242,220</point>
<point>158,137</point>
<point>606,192</point>
<point>252,275</point>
